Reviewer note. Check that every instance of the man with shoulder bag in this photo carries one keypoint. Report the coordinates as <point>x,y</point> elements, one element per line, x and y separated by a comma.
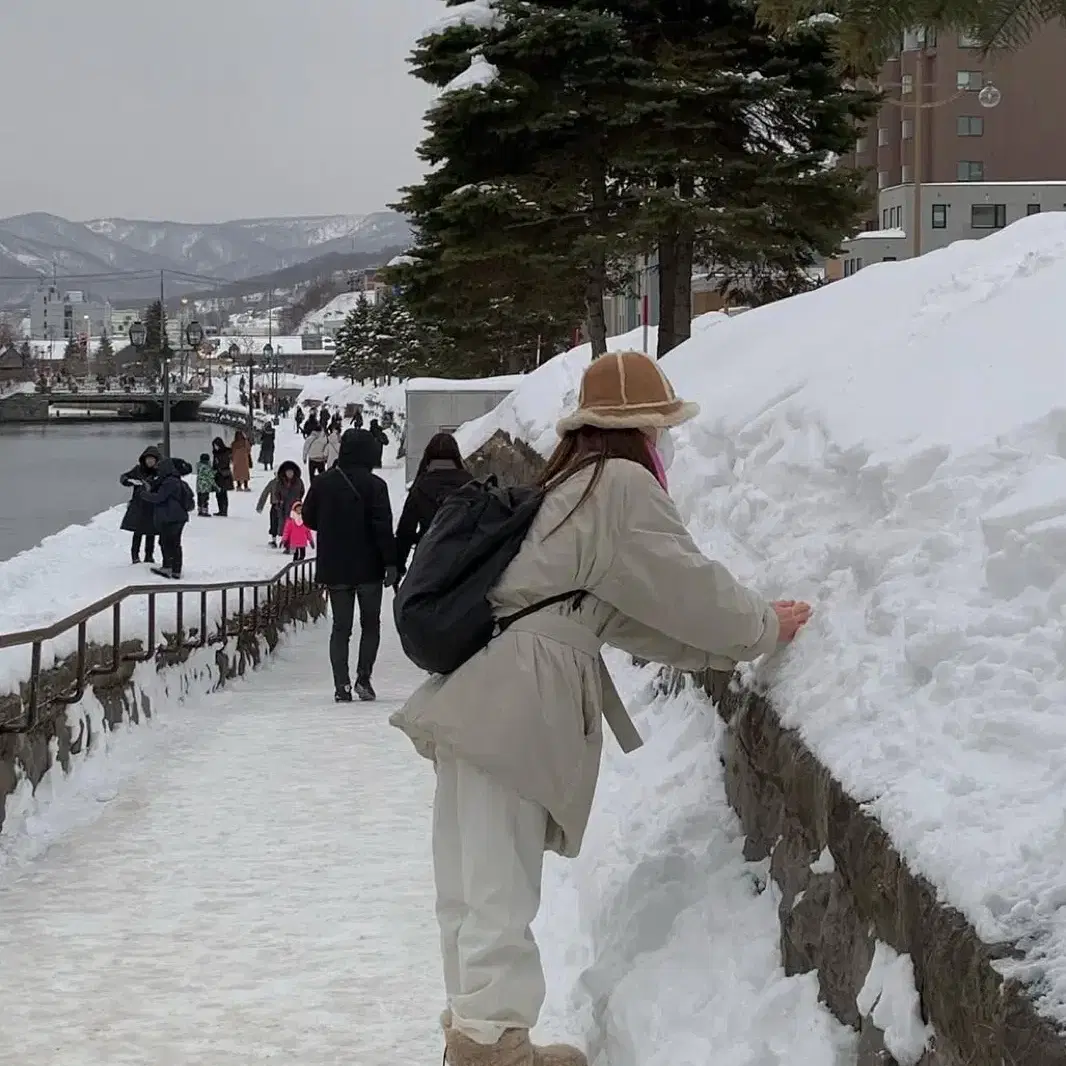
<point>348,507</point>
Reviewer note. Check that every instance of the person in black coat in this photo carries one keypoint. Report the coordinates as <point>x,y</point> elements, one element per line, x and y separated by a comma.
<point>440,473</point>
<point>348,507</point>
<point>168,499</point>
<point>222,464</point>
<point>266,446</point>
<point>138,517</point>
<point>379,434</point>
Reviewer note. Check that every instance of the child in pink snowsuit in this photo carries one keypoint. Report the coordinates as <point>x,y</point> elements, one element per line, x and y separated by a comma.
<point>296,537</point>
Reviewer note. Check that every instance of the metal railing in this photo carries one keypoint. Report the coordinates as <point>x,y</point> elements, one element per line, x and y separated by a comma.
<point>286,586</point>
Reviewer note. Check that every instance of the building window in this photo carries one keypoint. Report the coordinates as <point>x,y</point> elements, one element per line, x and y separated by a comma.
<point>888,259</point>
<point>852,266</point>
<point>971,170</point>
<point>861,145</point>
<point>907,84</point>
<point>884,218</point>
<point>940,216</point>
<point>1032,209</point>
<point>907,175</point>
<point>969,40</point>
<point>920,38</point>
<point>882,179</point>
<point>906,129</point>
<point>988,216</point>
<point>971,80</point>
<point>897,220</point>
<point>882,136</point>
<point>970,126</point>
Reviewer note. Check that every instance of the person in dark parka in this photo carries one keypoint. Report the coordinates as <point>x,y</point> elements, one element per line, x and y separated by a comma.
<point>169,514</point>
<point>138,517</point>
<point>348,507</point>
<point>266,446</point>
<point>440,473</point>
<point>222,461</point>
<point>282,493</point>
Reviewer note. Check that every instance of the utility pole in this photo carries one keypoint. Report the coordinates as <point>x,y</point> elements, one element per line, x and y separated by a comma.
<point>166,367</point>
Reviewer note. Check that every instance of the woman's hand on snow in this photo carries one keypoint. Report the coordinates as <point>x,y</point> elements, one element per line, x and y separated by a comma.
<point>792,616</point>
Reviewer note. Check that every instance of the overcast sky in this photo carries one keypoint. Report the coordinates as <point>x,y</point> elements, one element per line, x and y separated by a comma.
<point>206,110</point>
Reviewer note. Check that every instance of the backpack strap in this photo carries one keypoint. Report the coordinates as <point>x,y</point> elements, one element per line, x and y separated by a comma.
<point>351,485</point>
<point>503,624</point>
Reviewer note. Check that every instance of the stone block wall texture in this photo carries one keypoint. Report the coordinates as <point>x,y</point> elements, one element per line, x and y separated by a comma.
<point>57,740</point>
<point>24,407</point>
<point>792,809</point>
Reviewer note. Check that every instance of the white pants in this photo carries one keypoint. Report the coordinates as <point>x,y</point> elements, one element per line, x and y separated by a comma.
<point>488,852</point>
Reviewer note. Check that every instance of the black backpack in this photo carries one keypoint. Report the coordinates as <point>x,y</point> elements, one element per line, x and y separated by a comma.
<point>188,500</point>
<point>442,610</point>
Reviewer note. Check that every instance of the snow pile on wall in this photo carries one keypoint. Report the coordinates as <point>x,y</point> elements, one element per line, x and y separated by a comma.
<point>892,447</point>
<point>660,942</point>
<point>337,393</point>
<point>889,998</point>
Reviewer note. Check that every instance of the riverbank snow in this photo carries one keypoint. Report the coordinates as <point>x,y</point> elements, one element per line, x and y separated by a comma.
<point>910,481</point>
<point>84,563</point>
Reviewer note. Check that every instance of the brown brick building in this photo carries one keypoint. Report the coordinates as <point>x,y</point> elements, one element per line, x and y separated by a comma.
<point>1023,139</point>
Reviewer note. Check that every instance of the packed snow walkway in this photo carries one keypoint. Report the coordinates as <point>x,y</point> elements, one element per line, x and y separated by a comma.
<point>260,891</point>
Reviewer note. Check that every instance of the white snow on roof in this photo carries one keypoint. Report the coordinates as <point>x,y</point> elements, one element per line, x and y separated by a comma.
<point>890,234</point>
<point>337,309</point>
<point>496,384</point>
<point>909,481</point>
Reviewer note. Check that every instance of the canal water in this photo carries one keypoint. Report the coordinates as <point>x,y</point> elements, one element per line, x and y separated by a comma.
<point>53,476</point>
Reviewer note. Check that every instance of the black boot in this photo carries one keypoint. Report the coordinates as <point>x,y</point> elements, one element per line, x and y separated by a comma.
<point>364,690</point>
<point>343,695</point>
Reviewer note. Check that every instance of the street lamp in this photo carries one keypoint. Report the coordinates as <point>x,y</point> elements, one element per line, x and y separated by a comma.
<point>988,97</point>
<point>194,336</point>
<point>138,338</point>
<point>233,352</point>
<point>269,363</point>
<point>251,394</point>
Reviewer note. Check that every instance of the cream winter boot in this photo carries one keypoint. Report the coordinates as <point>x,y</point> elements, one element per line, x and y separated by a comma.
<point>552,1055</point>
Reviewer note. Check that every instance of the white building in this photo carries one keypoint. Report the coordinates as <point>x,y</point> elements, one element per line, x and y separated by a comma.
<point>58,316</point>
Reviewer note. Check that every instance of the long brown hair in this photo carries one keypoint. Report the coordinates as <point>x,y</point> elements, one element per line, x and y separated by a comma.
<point>442,447</point>
<point>591,446</point>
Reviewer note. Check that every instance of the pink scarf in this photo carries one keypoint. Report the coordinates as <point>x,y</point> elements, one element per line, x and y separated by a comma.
<point>657,463</point>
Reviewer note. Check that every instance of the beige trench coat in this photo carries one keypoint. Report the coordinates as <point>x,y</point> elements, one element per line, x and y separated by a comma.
<point>528,708</point>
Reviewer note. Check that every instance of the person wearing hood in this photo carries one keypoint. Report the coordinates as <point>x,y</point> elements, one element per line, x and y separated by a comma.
<point>222,462</point>
<point>266,446</point>
<point>138,517</point>
<point>348,507</point>
<point>516,732</point>
<point>316,451</point>
<point>171,500</point>
<point>379,434</point>
<point>310,425</point>
<point>440,473</point>
<point>298,417</point>
<point>282,492</point>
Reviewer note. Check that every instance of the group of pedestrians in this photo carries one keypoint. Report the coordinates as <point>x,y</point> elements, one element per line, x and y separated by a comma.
<point>158,509</point>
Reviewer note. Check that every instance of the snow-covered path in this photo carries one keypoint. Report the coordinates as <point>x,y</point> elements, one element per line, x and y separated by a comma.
<point>261,891</point>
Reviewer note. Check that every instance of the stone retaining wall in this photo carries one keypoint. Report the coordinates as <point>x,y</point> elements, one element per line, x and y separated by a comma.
<point>24,407</point>
<point>123,696</point>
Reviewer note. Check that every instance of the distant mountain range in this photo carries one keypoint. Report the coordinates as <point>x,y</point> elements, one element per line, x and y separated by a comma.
<point>230,251</point>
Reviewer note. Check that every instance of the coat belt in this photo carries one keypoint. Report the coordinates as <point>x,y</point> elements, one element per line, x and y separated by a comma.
<point>573,634</point>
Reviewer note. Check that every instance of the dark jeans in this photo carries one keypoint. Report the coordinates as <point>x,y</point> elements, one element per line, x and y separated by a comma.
<point>316,467</point>
<point>170,546</point>
<point>222,499</point>
<point>149,546</point>
<point>203,500</point>
<point>342,601</point>
<point>275,523</point>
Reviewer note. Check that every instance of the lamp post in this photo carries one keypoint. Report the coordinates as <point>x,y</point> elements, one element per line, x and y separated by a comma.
<point>277,375</point>
<point>233,352</point>
<point>138,338</point>
<point>988,97</point>
<point>194,337</point>
<point>251,395</point>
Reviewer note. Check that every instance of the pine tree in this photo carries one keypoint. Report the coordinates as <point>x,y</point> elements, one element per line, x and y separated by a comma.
<point>75,362</point>
<point>354,343</point>
<point>105,356</point>
<point>529,139</point>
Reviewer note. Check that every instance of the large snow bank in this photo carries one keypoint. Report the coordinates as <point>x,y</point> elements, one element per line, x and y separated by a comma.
<point>337,310</point>
<point>659,946</point>
<point>83,563</point>
<point>892,447</point>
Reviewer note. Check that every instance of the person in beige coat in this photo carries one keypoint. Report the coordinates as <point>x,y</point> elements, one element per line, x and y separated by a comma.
<point>516,732</point>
